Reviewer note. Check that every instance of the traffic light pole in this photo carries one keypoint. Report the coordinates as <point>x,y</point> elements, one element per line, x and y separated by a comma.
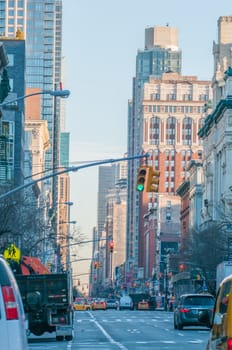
<point>70,169</point>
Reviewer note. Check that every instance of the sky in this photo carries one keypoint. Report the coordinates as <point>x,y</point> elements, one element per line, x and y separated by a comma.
<point>100,43</point>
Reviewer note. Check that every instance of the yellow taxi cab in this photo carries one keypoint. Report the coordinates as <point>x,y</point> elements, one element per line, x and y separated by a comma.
<point>99,304</point>
<point>81,305</point>
<point>221,323</point>
<point>143,305</point>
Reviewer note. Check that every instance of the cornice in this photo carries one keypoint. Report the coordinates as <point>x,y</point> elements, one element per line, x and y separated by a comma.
<point>214,118</point>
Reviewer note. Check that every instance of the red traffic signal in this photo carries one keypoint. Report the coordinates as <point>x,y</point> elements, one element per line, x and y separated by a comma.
<point>181,267</point>
<point>111,246</point>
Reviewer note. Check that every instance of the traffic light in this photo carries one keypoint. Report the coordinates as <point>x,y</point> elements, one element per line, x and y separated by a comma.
<point>141,178</point>
<point>95,264</point>
<point>181,267</point>
<point>111,246</point>
<point>152,180</point>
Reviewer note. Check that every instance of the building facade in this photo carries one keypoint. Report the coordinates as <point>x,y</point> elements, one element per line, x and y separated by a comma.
<point>161,54</point>
<point>216,133</point>
<point>165,115</point>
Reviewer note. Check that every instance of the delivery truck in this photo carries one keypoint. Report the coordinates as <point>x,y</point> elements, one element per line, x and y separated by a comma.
<point>47,301</point>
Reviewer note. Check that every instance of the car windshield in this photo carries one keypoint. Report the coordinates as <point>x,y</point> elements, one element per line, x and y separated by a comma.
<point>198,300</point>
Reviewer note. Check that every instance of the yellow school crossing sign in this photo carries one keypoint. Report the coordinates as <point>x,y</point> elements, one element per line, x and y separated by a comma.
<point>12,252</point>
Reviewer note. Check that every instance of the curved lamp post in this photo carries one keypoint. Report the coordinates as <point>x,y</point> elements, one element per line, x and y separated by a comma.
<point>55,93</point>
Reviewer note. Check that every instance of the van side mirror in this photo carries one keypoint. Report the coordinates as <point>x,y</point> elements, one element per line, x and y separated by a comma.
<point>218,318</point>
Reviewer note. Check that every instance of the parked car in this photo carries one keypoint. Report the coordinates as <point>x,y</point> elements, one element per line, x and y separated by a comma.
<point>112,304</point>
<point>99,304</point>
<point>125,302</point>
<point>190,308</point>
<point>221,323</point>
<point>13,323</point>
<point>143,305</point>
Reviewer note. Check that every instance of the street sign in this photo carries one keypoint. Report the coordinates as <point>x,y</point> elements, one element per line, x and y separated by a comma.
<point>12,252</point>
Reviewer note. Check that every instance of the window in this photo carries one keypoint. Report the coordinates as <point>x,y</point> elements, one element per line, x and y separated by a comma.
<point>171,97</point>
<point>155,96</point>
<point>156,152</point>
<point>199,154</point>
<point>11,82</point>
<point>203,97</point>
<point>201,123</point>
<point>11,60</point>
<point>187,131</point>
<point>170,131</point>
<point>187,97</point>
<point>224,297</point>
<point>154,130</point>
<point>7,151</point>
<point>168,216</point>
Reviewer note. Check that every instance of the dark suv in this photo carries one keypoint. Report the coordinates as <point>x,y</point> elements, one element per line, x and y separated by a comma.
<point>189,309</point>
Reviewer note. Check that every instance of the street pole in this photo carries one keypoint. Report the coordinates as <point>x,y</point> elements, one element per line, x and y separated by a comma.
<point>70,169</point>
<point>55,164</point>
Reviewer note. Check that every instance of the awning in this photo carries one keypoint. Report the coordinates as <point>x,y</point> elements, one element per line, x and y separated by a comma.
<point>32,265</point>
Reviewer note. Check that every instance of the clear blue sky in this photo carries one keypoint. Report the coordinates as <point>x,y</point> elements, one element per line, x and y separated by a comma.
<point>100,43</point>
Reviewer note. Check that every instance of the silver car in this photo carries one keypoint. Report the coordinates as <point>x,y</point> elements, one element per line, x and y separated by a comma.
<point>12,318</point>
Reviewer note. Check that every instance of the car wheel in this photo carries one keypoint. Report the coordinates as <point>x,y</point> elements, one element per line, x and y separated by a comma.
<point>59,338</point>
<point>68,337</point>
<point>175,325</point>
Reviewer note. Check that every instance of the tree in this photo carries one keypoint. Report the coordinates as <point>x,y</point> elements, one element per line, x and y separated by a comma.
<point>205,250</point>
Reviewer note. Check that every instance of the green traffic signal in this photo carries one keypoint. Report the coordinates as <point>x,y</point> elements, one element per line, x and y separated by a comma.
<point>141,178</point>
<point>140,187</point>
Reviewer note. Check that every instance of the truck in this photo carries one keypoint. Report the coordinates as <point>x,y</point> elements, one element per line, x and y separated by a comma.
<point>224,269</point>
<point>47,298</point>
<point>48,303</point>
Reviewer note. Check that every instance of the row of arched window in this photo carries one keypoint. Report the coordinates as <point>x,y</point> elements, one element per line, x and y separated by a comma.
<point>171,125</point>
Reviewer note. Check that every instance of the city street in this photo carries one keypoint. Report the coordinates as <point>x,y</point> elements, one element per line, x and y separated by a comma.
<point>127,330</point>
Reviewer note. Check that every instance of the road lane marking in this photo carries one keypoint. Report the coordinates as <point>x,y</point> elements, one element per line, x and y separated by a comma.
<point>111,340</point>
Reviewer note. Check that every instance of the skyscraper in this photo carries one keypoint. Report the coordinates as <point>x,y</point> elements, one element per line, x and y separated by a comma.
<point>160,55</point>
<point>40,22</point>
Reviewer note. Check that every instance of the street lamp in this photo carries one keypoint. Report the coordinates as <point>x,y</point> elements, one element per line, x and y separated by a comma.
<point>55,93</point>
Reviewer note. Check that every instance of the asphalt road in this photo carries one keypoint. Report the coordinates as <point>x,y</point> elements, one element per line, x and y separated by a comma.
<point>127,330</point>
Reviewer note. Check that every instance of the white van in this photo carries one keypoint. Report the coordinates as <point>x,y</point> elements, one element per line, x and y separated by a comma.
<point>13,324</point>
<point>125,302</point>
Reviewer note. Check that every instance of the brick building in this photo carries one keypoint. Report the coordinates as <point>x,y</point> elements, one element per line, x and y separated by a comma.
<point>173,111</point>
